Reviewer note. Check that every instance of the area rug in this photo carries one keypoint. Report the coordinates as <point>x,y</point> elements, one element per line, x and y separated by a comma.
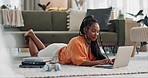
<point>137,65</point>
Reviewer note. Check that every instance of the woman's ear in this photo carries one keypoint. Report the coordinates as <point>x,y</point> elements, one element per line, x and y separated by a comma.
<point>85,30</point>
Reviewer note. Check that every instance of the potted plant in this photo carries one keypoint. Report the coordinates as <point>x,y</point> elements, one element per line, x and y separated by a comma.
<point>121,15</point>
<point>44,7</point>
<point>143,22</point>
<point>79,4</point>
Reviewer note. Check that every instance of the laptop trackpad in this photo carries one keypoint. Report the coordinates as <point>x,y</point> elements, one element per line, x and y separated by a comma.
<point>109,66</point>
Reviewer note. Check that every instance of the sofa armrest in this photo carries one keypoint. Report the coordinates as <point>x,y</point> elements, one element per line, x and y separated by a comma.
<point>120,30</point>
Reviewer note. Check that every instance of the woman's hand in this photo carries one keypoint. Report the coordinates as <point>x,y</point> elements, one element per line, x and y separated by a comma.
<point>105,61</point>
<point>96,62</point>
<point>113,60</point>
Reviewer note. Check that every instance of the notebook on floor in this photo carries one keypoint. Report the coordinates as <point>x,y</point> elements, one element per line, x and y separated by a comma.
<point>122,58</point>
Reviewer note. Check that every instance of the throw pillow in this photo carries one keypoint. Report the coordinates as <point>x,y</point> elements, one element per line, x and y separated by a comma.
<point>76,17</point>
<point>102,16</point>
<point>68,18</point>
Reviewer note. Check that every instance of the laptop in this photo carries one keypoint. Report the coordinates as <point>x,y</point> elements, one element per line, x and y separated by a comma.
<point>122,58</point>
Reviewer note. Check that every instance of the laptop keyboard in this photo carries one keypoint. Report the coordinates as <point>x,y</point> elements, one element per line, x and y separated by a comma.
<point>108,66</point>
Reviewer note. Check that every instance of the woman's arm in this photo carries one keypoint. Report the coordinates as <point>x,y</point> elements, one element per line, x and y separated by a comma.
<point>96,62</point>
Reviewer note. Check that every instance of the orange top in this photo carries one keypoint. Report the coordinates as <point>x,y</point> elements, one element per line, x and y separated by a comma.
<point>75,52</point>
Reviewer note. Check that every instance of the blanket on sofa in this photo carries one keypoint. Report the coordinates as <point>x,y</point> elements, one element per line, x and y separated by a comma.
<point>137,65</point>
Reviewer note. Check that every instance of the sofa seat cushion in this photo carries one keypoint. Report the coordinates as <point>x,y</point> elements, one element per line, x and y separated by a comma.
<point>56,37</point>
<point>47,37</point>
<point>108,38</point>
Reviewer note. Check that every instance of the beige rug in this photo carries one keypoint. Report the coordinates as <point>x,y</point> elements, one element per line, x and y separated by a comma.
<point>137,65</point>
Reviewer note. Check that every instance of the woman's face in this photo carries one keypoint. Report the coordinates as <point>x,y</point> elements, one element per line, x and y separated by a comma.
<point>92,32</point>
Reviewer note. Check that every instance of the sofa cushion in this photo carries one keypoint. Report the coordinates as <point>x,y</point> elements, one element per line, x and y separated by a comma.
<point>59,20</point>
<point>102,15</point>
<point>76,17</point>
<point>37,20</point>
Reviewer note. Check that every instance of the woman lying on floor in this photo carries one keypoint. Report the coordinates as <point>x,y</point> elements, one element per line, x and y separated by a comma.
<point>81,50</point>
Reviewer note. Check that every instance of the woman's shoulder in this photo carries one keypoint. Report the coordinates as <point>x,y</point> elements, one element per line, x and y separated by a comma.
<point>76,40</point>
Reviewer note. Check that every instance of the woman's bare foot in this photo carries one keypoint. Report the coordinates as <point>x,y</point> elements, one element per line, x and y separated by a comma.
<point>28,34</point>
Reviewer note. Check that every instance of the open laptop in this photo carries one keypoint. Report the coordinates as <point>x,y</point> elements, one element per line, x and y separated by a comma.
<point>122,58</point>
